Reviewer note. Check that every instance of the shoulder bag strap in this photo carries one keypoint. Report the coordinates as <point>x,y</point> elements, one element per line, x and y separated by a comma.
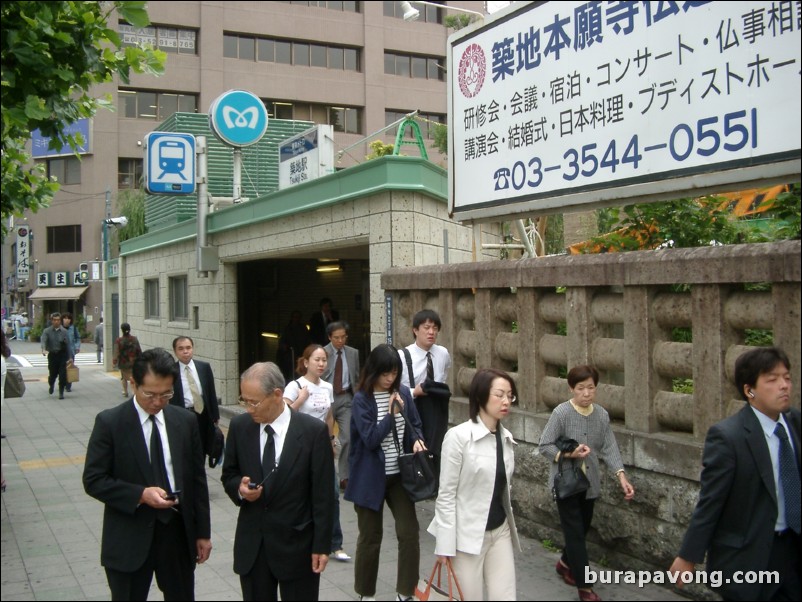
<point>409,368</point>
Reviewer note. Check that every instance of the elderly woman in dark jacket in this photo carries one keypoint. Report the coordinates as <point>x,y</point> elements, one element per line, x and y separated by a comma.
<point>588,425</point>
<point>374,473</point>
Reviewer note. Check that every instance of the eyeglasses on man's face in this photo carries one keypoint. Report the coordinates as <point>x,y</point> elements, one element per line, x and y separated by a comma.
<point>248,404</point>
<point>498,394</point>
<point>149,396</point>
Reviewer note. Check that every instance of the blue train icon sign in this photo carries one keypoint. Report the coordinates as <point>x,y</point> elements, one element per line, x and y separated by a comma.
<point>170,163</point>
<point>238,118</point>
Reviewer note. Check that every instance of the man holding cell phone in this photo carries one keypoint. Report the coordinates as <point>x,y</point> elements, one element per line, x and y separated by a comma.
<point>144,461</point>
<point>279,470</point>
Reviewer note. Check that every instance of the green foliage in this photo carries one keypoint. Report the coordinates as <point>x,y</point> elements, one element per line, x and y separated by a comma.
<point>549,546</point>
<point>678,223</point>
<point>131,204</point>
<point>440,140</point>
<point>682,385</point>
<point>80,325</point>
<point>35,333</point>
<point>758,337</point>
<point>379,149</point>
<point>53,54</point>
<point>457,22</point>
<point>696,222</point>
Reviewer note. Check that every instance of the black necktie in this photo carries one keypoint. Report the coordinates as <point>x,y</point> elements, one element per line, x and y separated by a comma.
<point>157,465</point>
<point>429,366</point>
<point>789,477</point>
<point>338,374</point>
<point>269,453</point>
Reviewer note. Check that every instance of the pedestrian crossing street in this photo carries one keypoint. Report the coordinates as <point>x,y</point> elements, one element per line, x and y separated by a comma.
<point>37,360</point>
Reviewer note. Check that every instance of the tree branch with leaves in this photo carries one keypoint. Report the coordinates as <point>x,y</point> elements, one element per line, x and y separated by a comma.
<point>53,55</point>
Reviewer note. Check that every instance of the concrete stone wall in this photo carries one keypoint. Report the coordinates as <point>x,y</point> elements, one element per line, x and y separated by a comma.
<point>537,317</point>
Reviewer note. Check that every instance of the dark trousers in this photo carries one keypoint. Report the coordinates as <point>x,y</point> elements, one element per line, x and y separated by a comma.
<point>57,368</point>
<point>168,558</point>
<point>434,416</point>
<point>369,541</point>
<point>784,558</point>
<point>576,513</point>
<point>262,584</point>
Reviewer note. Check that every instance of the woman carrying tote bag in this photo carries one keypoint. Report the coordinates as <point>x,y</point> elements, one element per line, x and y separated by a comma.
<point>589,424</point>
<point>473,520</point>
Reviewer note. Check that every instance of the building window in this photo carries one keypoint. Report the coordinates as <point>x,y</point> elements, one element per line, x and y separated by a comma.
<point>426,121</point>
<point>167,39</point>
<point>348,7</point>
<point>344,119</point>
<point>66,170</point>
<point>64,239</point>
<point>428,13</point>
<point>421,67</point>
<point>286,52</point>
<point>179,306</point>
<point>129,173</point>
<point>152,298</point>
<point>141,104</point>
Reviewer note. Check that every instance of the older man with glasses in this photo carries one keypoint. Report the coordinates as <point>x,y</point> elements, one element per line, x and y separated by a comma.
<point>144,461</point>
<point>278,469</point>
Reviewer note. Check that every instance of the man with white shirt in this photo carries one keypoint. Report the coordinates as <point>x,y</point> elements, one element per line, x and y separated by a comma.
<point>145,463</point>
<point>748,514</point>
<point>194,389</point>
<point>429,362</point>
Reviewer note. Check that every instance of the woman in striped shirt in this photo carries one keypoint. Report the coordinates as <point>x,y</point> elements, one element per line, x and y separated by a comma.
<point>377,422</point>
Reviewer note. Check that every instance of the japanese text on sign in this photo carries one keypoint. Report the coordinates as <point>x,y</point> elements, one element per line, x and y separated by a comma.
<point>568,98</point>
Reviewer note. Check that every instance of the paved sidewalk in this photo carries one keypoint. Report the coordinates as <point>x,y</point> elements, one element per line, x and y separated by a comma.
<point>51,529</point>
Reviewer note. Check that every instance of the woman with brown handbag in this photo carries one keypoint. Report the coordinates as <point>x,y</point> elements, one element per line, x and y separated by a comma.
<point>473,520</point>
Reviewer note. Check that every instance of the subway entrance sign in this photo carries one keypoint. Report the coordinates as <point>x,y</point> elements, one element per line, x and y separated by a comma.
<point>170,163</point>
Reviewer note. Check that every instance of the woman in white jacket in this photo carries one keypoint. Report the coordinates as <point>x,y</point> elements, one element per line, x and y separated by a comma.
<point>473,520</point>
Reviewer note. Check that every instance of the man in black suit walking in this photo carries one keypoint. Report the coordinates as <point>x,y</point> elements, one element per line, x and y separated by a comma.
<point>279,470</point>
<point>194,389</point>
<point>748,514</point>
<point>144,461</point>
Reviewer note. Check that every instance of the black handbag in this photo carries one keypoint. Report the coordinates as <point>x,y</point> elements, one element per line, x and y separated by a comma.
<point>418,474</point>
<point>569,480</point>
<point>217,448</point>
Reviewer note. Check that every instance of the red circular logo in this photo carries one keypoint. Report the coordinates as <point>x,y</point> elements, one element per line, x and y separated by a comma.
<point>22,231</point>
<point>472,70</point>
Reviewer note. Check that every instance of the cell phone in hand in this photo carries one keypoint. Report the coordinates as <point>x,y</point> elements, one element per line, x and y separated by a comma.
<point>170,497</point>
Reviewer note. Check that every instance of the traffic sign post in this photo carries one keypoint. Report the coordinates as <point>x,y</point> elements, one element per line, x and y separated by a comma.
<point>170,163</point>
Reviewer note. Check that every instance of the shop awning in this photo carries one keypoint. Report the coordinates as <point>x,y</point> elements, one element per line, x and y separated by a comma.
<point>58,293</point>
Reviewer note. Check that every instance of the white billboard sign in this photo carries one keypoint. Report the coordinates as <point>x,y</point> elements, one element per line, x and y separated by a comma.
<point>578,104</point>
<point>306,156</point>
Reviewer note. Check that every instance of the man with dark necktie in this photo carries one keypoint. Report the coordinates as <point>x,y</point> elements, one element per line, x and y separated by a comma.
<point>342,371</point>
<point>429,362</point>
<point>144,461</point>
<point>279,470</point>
<point>748,514</point>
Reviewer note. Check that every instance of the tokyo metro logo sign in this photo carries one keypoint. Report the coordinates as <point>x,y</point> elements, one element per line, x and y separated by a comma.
<point>238,118</point>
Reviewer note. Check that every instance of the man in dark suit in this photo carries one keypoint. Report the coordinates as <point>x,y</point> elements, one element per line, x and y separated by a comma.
<point>139,453</point>
<point>344,389</point>
<point>748,514</point>
<point>194,389</point>
<point>320,320</point>
<point>284,528</point>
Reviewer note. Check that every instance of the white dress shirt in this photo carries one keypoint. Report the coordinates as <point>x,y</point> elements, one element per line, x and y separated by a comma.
<point>280,426</point>
<point>441,362</point>
<point>147,427</point>
<point>773,441</point>
<point>188,401</point>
